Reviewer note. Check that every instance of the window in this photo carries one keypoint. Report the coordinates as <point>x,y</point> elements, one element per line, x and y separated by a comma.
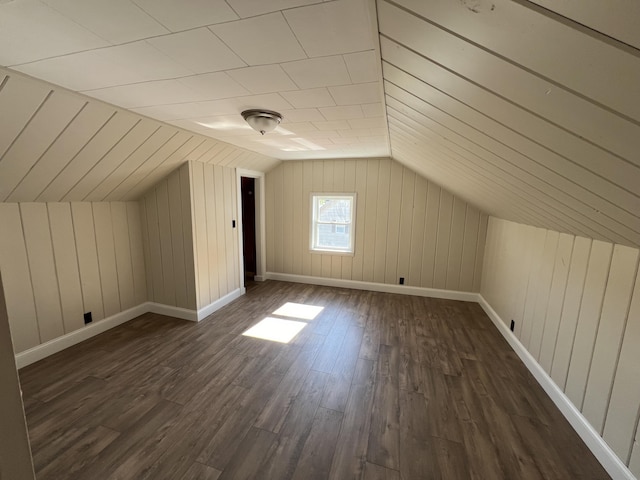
<point>332,222</point>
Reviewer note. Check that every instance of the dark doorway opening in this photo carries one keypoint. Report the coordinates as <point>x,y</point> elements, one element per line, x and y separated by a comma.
<point>248,193</point>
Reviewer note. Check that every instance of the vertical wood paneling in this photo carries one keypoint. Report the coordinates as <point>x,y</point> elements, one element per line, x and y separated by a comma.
<point>393,223</point>
<point>201,243</point>
<point>187,234</point>
<point>570,310</point>
<point>297,223</point>
<point>85,236</point>
<point>136,245</point>
<point>66,258</point>
<point>165,262</point>
<point>18,292</point>
<point>482,238</point>
<point>634,463</point>
<point>430,235</point>
<point>400,218</point>
<point>177,240</point>
<point>456,241</point>
<point>528,317</point>
<point>590,310</point>
<point>417,231</point>
<point>155,249</point>
<point>557,295</point>
<point>371,203</point>
<point>382,221</point>
<point>37,237</point>
<point>625,396</point>
<point>307,179</point>
<point>231,254</point>
<point>591,329</point>
<point>615,307</point>
<point>544,290</point>
<point>106,258</point>
<point>471,225</point>
<point>144,232</point>
<point>406,225</point>
<point>122,245</point>
<point>214,206</point>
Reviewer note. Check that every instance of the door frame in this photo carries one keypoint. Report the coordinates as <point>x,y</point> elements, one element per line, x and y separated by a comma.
<point>261,236</point>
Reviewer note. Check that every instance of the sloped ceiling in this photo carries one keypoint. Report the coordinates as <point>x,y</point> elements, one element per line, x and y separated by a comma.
<point>533,115</point>
<point>197,64</point>
<point>528,109</point>
<point>57,145</point>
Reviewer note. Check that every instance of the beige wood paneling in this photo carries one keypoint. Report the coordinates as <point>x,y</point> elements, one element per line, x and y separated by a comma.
<point>122,246</point>
<point>56,145</point>
<point>625,396</point>
<point>405,226</point>
<point>590,329</point>
<point>570,310</point>
<point>611,328</point>
<point>106,258</point>
<point>35,223</point>
<point>19,291</point>
<point>590,310</point>
<point>634,463</point>
<point>66,258</point>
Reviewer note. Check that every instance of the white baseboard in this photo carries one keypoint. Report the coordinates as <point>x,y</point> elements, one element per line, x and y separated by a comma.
<point>259,278</point>
<point>218,304</point>
<point>607,457</point>
<point>171,311</point>
<point>58,344</point>
<point>375,287</point>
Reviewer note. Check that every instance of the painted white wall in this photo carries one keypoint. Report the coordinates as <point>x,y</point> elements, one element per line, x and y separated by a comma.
<point>63,259</point>
<point>406,226</point>
<point>576,306</point>
<point>15,454</point>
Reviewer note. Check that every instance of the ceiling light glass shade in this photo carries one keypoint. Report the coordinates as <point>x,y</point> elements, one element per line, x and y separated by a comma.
<point>262,121</point>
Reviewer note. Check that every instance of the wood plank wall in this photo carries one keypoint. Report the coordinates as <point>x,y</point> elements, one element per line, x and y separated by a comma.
<point>406,226</point>
<point>167,233</point>
<point>60,260</point>
<point>216,252</point>
<point>576,306</point>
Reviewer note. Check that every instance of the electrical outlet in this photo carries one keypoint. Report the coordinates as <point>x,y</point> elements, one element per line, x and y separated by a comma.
<point>513,325</point>
<point>233,224</point>
<point>401,280</point>
<point>87,318</point>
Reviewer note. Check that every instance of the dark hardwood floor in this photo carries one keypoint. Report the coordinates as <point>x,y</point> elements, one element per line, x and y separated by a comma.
<point>377,386</point>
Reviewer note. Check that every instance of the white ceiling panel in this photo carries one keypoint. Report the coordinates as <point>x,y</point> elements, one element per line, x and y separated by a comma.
<point>318,72</point>
<point>199,50</point>
<point>302,115</point>
<point>147,93</point>
<point>261,40</point>
<point>31,30</point>
<point>252,8</point>
<point>178,15</point>
<point>356,94</point>
<point>263,79</point>
<point>213,86</point>
<point>117,21</point>
<point>363,66</point>
<point>331,28</point>
<point>312,98</point>
<point>347,112</point>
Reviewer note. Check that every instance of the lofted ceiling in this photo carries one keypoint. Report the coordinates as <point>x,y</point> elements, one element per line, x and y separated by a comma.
<point>528,109</point>
<point>197,64</point>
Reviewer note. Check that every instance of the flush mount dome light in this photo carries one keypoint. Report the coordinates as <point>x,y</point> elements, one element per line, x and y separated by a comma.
<point>262,121</point>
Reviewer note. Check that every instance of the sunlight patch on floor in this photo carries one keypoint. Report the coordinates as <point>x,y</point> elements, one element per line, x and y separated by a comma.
<point>275,329</point>
<point>298,310</point>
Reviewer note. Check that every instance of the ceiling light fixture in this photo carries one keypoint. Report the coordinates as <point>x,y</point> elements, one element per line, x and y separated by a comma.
<point>262,121</point>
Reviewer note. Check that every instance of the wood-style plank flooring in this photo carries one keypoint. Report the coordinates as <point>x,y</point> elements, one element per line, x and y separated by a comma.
<point>377,386</point>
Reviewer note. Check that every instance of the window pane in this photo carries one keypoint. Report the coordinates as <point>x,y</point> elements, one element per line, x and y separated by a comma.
<point>334,236</point>
<point>334,210</point>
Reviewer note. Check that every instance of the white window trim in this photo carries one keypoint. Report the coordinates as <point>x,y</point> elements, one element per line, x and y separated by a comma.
<point>312,224</point>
